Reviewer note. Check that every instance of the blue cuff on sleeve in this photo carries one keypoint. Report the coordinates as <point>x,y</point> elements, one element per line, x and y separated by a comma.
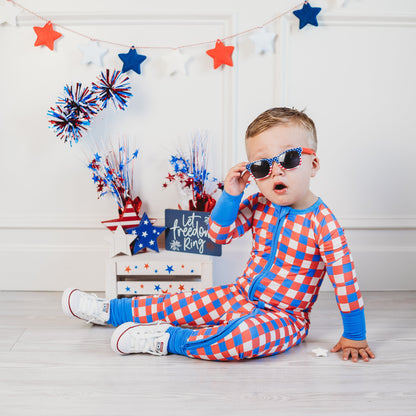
<point>226,209</point>
<point>354,325</point>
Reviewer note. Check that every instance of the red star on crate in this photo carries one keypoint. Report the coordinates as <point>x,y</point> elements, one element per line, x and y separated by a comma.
<point>221,54</point>
<point>127,219</point>
<point>46,35</point>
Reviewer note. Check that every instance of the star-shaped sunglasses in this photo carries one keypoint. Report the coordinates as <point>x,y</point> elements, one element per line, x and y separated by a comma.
<point>289,159</point>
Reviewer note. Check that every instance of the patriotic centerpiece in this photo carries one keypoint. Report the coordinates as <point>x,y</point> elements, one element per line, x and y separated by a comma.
<point>111,165</point>
<point>191,173</point>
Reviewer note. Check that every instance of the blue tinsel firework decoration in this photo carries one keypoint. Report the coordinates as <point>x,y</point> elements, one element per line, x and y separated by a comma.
<point>113,173</point>
<point>74,111</point>
<point>67,125</point>
<point>114,88</point>
<point>80,102</point>
<point>191,172</point>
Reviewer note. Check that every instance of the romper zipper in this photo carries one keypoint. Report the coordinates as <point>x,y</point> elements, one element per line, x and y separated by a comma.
<point>282,214</point>
<point>220,335</point>
<point>235,322</point>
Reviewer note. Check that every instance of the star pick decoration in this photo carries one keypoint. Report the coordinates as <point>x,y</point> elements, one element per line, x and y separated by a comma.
<point>221,54</point>
<point>146,235</point>
<point>8,13</point>
<point>127,219</point>
<point>46,35</point>
<point>263,41</point>
<point>121,242</point>
<point>92,52</point>
<point>132,60</point>
<point>176,62</point>
<point>307,15</point>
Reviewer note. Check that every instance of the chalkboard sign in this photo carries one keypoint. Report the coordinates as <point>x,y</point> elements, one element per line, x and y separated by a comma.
<point>187,232</point>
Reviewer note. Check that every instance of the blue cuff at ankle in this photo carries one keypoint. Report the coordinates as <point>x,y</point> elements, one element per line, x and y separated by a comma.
<point>120,311</point>
<point>178,338</point>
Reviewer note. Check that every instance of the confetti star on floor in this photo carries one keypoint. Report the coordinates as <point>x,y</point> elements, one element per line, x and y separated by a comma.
<point>263,41</point>
<point>146,235</point>
<point>132,60</point>
<point>169,269</point>
<point>221,54</point>
<point>93,53</point>
<point>176,62</point>
<point>157,288</point>
<point>320,352</point>
<point>46,36</point>
<point>121,242</point>
<point>8,13</point>
<point>307,15</point>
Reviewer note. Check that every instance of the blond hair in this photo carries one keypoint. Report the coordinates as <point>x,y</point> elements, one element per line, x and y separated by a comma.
<point>282,115</point>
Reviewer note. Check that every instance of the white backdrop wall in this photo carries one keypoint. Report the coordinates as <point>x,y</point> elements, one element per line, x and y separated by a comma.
<point>354,74</point>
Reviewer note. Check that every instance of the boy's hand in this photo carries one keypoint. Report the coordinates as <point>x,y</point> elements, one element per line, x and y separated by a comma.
<point>236,179</point>
<point>353,349</point>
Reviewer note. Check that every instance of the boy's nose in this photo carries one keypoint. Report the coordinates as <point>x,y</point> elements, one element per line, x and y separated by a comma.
<point>277,169</point>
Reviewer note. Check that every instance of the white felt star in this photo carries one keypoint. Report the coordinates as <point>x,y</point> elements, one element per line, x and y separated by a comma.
<point>8,13</point>
<point>121,242</point>
<point>176,62</point>
<point>320,352</point>
<point>92,52</point>
<point>263,41</point>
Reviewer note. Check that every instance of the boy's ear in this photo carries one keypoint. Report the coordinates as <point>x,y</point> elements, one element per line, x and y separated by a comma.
<point>315,166</point>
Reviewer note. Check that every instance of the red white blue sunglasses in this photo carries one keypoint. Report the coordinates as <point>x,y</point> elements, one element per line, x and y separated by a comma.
<point>287,160</point>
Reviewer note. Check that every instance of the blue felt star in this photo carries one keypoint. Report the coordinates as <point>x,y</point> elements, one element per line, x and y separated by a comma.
<point>146,235</point>
<point>157,288</point>
<point>131,60</point>
<point>307,15</point>
<point>169,269</point>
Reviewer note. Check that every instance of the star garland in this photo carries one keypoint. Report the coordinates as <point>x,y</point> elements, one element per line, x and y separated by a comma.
<point>175,61</point>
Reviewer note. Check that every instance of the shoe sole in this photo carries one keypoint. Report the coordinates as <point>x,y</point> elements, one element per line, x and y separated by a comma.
<point>66,306</point>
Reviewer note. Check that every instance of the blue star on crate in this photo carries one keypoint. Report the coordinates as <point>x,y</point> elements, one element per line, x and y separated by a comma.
<point>146,234</point>
<point>132,60</point>
<point>307,15</point>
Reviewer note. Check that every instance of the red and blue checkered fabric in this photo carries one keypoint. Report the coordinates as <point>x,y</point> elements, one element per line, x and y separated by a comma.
<point>258,333</point>
<point>267,310</point>
<point>310,243</point>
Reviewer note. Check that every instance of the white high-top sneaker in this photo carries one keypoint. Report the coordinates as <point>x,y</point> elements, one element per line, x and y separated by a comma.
<point>85,306</point>
<point>133,338</point>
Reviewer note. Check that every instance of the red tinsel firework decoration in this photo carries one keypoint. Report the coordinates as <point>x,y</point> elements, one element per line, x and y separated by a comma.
<point>190,171</point>
<point>114,88</point>
<point>80,102</point>
<point>67,126</point>
<point>74,112</point>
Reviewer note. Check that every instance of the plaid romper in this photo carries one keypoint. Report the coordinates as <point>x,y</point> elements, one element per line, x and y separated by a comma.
<point>266,310</point>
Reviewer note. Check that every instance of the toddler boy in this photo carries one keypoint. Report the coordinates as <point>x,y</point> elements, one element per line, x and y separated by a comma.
<point>296,239</point>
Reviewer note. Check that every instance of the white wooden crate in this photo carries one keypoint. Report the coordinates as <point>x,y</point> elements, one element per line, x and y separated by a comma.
<point>157,273</point>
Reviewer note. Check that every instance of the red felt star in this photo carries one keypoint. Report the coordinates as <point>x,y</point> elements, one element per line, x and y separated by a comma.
<point>221,54</point>
<point>46,35</point>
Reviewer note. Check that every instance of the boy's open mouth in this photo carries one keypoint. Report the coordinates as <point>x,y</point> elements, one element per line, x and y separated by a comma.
<point>280,186</point>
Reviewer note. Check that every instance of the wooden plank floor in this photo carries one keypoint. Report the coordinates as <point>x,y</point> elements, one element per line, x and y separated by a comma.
<point>54,365</point>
